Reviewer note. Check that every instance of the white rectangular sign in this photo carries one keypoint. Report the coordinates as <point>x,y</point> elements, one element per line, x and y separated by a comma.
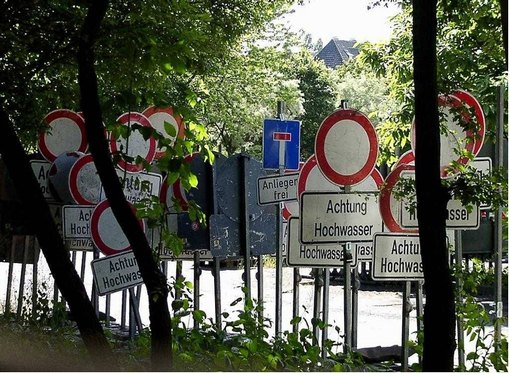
<point>483,166</point>
<point>333,217</point>
<point>76,221</point>
<point>364,251</point>
<point>317,256</point>
<point>396,257</point>
<point>40,169</point>
<point>138,186</point>
<point>458,215</point>
<point>116,272</point>
<point>80,244</point>
<point>279,188</point>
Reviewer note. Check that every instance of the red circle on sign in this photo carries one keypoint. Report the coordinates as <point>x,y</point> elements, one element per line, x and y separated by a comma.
<point>157,117</point>
<point>467,136</point>
<point>406,158</point>
<point>291,208</point>
<point>470,101</point>
<point>147,151</point>
<point>372,183</point>
<point>98,237</point>
<point>357,172</point>
<point>62,123</point>
<point>385,199</point>
<point>74,182</point>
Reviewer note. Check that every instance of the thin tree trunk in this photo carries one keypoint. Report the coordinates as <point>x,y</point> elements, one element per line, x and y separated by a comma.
<point>439,312</point>
<point>155,280</point>
<point>40,221</point>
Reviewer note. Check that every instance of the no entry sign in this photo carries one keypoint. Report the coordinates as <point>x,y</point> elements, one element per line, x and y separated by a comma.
<point>161,118</point>
<point>65,133</point>
<point>84,182</point>
<point>135,145</point>
<point>106,232</point>
<point>346,147</point>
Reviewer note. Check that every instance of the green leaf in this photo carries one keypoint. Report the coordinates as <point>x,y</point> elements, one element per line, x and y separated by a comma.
<point>170,129</point>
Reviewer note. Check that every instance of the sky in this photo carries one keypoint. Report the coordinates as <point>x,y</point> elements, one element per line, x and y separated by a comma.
<point>344,19</point>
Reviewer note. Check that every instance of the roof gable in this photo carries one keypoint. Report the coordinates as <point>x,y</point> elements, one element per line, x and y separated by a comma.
<point>337,52</point>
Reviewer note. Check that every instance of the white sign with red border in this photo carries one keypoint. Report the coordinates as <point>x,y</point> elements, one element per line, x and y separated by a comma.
<point>106,232</point>
<point>346,147</point>
<point>135,145</point>
<point>84,182</point>
<point>140,185</point>
<point>116,272</point>
<point>65,133</point>
<point>158,117</point>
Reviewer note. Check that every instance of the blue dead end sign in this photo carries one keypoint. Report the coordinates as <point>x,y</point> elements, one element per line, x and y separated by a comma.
<point>281,144</point>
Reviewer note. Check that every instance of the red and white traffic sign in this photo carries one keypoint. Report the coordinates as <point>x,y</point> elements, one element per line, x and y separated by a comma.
<point>389,205</point>
<point>291,208</point>
<point>454,139</point>
<point>346,147</point>
<point>65,133</point>
<point>158,117</point>
<point>372,183</point>
<point>84,182</point>
<point>471,102</point>
<point>59,176</point>
<point>406,158</point>
<point>135,145</point>
<point>106,232</point>
<point>311,178</point>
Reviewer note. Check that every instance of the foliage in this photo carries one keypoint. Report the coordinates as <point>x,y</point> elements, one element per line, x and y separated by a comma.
<point>478,323</point>
<point>470,57</point>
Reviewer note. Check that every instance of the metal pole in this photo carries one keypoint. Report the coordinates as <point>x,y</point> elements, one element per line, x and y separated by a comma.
<point>419,303</point>
<point>178,276</point>
<point>499,161</point>
<point>244,224</point>
<point>459,300</point>
<point>108,310</point>
<point>9,277</point>
<point>316,305</point>
<point>405,328</point>
<point>197,273</point>
<point>325,331</point>
<point>259,277</point>
<point>123,310</point>
<point>21,291</point>
<point>35,268</point>
<point>296,281</point>
<point>279,254</point>
<point>83,265</point>
<point>355,306</point>
<point>217,291</point>
<point>347,298</point>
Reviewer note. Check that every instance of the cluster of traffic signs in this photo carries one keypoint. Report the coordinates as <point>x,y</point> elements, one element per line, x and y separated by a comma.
<point>342,199</point>
<point>69,180</point>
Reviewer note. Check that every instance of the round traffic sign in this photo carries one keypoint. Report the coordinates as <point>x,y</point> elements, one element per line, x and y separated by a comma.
<point>454,139</point>
<point>389,205</point>
<point>471,102</point>
<point>158,117</point>
<point>135,145</point>
<point>106,233</point>
<point>291,208</point>
<point>84,182</point>
<point>346,147</point>
<point>372,183</point>
<point>407,157</point>
<point>65,133</point>
<point>58,176</point>
<point>312,179</point>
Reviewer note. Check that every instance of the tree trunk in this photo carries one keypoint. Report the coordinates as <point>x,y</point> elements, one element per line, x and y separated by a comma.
<point>154,279</point>
<point>40,221</point>
<point>432,197</point>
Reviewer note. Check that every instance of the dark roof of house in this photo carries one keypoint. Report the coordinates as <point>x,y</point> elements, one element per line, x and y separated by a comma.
<point>337,52</point>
